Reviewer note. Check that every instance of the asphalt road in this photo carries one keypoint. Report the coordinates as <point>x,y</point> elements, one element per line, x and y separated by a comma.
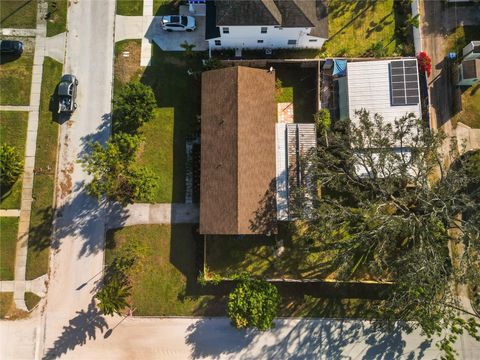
<point>77,255</point>
<point>182,338</point>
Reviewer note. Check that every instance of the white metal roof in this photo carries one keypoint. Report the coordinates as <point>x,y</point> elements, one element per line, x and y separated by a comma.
<point>369,88</point>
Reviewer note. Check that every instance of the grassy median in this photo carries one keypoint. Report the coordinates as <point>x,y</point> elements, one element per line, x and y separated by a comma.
<point>44,182</point>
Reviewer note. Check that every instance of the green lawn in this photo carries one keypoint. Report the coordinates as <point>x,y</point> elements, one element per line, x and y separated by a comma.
<point>6,302</point>
<point>130,7</point>
<point>354,26</point>
<point>15,79</point>
<point>13,131</point>
<point>165,282</point>
<point>165,7</point>
<point>299,87</point>
<point>43,185</point>
<point>157,152</point>
<point>31,300</point>
<point>462,35</point>
<point>19,14</point>
<point>8,241</point>
<point>178,98</point>
<point>57,23</point>
<point>229,255</point>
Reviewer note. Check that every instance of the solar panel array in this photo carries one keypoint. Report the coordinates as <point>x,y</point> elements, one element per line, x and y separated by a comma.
<point>404,82</point>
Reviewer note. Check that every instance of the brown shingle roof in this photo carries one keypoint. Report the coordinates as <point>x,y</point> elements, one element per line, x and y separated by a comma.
<point>238,148</point>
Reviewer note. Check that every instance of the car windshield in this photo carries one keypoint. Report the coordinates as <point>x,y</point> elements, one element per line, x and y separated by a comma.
<point>184,21</point>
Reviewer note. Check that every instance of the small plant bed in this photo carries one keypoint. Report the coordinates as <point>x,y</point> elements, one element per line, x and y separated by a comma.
<point>43,185</point>
<point>297,85</point>
<point>366,28</point>
<point>16,77</point>
<point>165,281</point>
<point>130,7</point>
<point>261,256</point>
<point>13,127</point>
<point>19,14</point>
<point>8,243</point>
<point>165,7</point>
<point>57,20</point>
<point>31,300</point>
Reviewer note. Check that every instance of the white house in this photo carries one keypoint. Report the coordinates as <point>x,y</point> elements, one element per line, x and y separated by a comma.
<point>261,24</point>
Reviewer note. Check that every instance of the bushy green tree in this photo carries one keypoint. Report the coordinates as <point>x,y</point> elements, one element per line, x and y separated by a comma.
<point>253,304</point>
<point>11,165</point>
<point>132,107</point>
<point>389,208</point>
<point>114,173</point>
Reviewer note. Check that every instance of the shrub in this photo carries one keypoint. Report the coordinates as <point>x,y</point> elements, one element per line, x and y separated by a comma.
<point>253,304</point>
<point>11,165</point>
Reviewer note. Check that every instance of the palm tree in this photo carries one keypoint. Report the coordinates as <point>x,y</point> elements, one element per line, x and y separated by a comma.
<point>113,297</point>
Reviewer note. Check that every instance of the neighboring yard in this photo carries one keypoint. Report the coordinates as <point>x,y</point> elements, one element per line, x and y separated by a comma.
<point>13,131</point>
<point>470,114</point>
<point>357,26</point>
<point>16,78</point>
<point>462,35</point>
<point>19,14</point>
<point>178,98</point>
<point>8,241</point>
<point>130,7</point>
<point>43,186</point>
<point>298,86</point>
<point>57,23</point>
<point>165,283</point>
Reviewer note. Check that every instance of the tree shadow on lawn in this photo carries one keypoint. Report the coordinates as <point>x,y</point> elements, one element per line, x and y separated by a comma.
<point>305,339</point>
<point>81,328</point>
<point>174,88</point>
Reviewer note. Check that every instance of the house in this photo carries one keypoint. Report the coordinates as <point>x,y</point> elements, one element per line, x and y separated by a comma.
<point>387,87</point>
<point>250,163</point>
<point>265,24</point>
<point>469,68</point>
<point>237,151</point>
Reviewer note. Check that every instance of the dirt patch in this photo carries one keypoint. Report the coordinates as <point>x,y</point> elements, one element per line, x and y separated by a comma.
<point>66,183</point>
<point>127,62</point>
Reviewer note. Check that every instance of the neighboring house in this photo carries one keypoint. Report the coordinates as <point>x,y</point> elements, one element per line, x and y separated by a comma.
<point>469,68</point>
<point>387,87</point>
<point>261,24</point>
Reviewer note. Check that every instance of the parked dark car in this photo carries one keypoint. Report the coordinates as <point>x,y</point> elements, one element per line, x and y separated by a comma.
<point>67,93</point>
<point>11,47</point>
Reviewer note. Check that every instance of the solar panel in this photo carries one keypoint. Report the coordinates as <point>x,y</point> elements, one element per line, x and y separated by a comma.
<point>404,82</point>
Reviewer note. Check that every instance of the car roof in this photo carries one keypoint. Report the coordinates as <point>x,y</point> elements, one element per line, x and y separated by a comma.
<point>63,88</point>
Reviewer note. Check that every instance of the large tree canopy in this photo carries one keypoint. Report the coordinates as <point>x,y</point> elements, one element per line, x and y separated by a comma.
<point>114,172</point>
<point>390,206</point>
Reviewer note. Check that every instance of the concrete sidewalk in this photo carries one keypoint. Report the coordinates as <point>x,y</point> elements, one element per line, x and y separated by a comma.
<point>9,213</point>
<point>15,108</point>
<point>36,286</point>
<point>142,214</point>
<point>29,165</point>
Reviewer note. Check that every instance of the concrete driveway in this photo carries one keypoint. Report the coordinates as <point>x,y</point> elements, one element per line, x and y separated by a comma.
<point>171,41</point>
